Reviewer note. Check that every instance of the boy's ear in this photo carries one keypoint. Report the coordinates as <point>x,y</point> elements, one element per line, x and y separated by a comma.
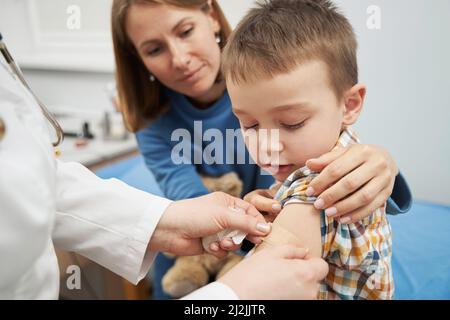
<point>353,102</point>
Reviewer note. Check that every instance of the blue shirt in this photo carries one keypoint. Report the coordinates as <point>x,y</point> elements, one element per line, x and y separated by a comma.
<point>189,124</point>
<point>181,181</point>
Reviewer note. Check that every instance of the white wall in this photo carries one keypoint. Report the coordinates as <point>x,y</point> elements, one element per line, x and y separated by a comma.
<point>406,66</point>
<point>69,68</point>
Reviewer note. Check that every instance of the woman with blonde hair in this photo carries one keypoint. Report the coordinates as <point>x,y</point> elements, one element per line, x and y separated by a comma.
<point>168,56</point>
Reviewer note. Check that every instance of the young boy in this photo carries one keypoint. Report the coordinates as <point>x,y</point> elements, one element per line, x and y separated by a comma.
<point>291,69</point>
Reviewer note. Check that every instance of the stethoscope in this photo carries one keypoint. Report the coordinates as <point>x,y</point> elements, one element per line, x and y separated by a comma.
<point>18,73</point>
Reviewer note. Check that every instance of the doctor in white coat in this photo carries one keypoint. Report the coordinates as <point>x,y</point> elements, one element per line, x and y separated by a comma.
<point>45,203</point>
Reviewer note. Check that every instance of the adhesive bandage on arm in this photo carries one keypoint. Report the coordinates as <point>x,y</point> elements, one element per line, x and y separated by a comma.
<point>279,236</point>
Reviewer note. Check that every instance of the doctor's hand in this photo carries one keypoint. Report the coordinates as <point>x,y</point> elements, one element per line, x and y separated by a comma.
<point>279,272</point>
<point>184,223</point>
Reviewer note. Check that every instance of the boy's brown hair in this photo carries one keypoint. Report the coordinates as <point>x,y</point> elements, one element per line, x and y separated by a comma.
<point>278,35</point>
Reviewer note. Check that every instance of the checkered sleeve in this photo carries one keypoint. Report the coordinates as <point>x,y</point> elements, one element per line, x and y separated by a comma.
<point>359,257</point>
<point>293,190</point>
<point>358,254</point>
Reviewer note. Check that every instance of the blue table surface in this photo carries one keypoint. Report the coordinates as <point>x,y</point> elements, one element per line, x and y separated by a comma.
<point>421,238</point>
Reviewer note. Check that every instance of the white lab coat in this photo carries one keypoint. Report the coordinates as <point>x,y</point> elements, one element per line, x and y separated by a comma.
<point>45,203</point>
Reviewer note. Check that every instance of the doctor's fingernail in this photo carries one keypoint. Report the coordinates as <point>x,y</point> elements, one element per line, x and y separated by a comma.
<point>331,211</point>
<point>276,206</point>
<point>310,191</point>
<point>263,227</point>
<point>319,204</point>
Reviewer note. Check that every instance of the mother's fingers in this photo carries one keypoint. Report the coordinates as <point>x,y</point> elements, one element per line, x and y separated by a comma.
<point>337,169</point>
<point>366,210</point>
<point>349,184</point>
<point>324,160</point>
<point>364,197</point>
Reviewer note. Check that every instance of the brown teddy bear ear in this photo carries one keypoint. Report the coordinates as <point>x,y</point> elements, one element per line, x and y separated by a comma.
<point>231,184</point>
<point>228,183</point>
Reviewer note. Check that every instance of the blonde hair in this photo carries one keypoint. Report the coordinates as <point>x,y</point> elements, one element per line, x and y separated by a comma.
<point>141,100</point>
<point>279,35</point>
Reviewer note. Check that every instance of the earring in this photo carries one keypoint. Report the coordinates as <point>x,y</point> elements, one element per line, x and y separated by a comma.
<point>152,78</point>
<point>218,39</point>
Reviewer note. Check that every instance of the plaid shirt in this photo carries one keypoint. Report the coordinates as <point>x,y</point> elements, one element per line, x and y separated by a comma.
<point>358,254</point>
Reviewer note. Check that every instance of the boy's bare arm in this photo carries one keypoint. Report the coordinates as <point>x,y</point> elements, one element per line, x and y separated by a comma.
<point>297,224</point>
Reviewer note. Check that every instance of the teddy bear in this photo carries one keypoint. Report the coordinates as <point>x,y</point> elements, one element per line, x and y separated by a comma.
<point>192,272</point>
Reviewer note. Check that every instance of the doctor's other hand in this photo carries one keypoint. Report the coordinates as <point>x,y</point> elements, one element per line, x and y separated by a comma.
<point>184,223</point>
<point>277,273</point>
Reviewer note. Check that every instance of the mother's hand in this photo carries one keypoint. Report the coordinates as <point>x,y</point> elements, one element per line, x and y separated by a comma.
<point>353,181</point>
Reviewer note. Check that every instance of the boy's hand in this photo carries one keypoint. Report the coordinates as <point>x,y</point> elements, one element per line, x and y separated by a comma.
<point>264,202</point>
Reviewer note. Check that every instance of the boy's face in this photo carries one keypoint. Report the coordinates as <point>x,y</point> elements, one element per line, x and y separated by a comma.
<point>301,106</point>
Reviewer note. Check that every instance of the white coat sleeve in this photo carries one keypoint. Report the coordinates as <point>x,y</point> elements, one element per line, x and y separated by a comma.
<point>106,221</point>
<point>213,291</point>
